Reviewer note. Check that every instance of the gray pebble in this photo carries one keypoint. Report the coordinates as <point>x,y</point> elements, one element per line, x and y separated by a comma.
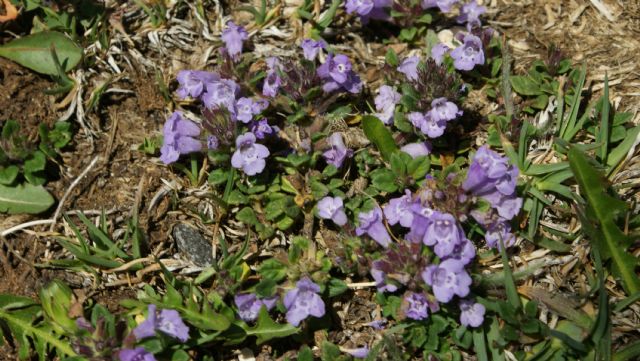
<point>193,245</point>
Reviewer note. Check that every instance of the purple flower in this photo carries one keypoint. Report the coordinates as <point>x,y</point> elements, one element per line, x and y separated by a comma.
<point>438,52</point>
<point>212,142</point>
<point>178,138</point>
<point>371,224</point>
<point>332,208</point>
<point>443,110</point>
<point>362,7</point>
<point>249,305</point>
<point>447,279</point>
<point>303,301</point>
<point>443,5</point>
<point>464,252</point>
<point>272,81</point>
<point>421,220</point>
<point>486,167</point>
<point>233,36</point>
<point>415,306</point>
<point>409,67</point>
<point>361,352</point>
<point>377,324</point>
<point>507,206</point>
<point>166,321</point>
<point>386,101</point>
<point>380,277</point>
<point>497,231</point>
<point>271,84</point>
<point>470,13</point>
<point>249,155</point>
<point>469,54</point>
<point>221,94</point>
<point>246,108</point>
<point>194,82</point>
<point>399,210</point>
<point>369,9</point>
<point>471,313</point>
<point>311,48</point>
<point>443,232</point>
<point>491,177</point>
<point>338,151</point>
<point>336,72</point>
<point>136,354</point>
<point>417,149</point>
<point>427,125</point>
<point>262,128</point>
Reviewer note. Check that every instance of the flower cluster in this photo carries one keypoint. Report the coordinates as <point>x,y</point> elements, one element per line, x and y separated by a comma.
<point>434,122</point>
<point>433,219</point>
<point>493,179</point>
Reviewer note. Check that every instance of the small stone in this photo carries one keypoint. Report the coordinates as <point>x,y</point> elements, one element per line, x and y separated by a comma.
<point>193,245</point>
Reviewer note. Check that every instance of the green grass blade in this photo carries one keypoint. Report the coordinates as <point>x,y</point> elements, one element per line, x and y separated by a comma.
<point>509,283</point>
<point>603,134</point>
<point>570,123</point>
<point>479,344</point>
<point>631,352</point>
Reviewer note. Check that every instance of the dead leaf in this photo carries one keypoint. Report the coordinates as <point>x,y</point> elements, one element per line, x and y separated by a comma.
<point>10,10</point>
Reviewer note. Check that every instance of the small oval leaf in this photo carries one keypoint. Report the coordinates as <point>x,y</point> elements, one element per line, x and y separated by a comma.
<point>34,52</point>
<point>25,198</point>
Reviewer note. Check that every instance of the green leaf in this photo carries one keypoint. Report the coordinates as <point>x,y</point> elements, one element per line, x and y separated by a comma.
<point>34,52</point>
<point>336,287</point>
<point>379,135</point>
<point>391,57</point>
<point>619,153</point>
<point>8,174</point>
<point>602,136</point>
<point>602,212</point>
<point>384,180</point>
<point>524,85</point>
<point>25,198</point>
<point>266,329</point>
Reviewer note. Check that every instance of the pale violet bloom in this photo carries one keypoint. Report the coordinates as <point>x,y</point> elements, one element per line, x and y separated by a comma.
<point>168,322</point>
<point>194,82</point>
<point>370,223</point>
<point>233,36</point>
<point>447,279</point>
<point>409,67</point>
<point>443,110</point>
<point>221,93</point>
<point>249,156</point>
<point>332,208</point>
<point>311,48</point>
<point>179,137</point>
<point>444,5</point>
<point>471,313</point>
<point>417,149</point>
<point>470,13</point>
<point>249,305</point>
<point>338,152</point>
<point>469,54</point>
<point>303,301</point>
<point>415,306</point>
<point>136,354</point>
<point>386,101</point>
<point>398,210</point>
<point>438,52</point>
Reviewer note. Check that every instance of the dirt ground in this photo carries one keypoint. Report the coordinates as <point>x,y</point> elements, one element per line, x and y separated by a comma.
<point>125,181</point>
